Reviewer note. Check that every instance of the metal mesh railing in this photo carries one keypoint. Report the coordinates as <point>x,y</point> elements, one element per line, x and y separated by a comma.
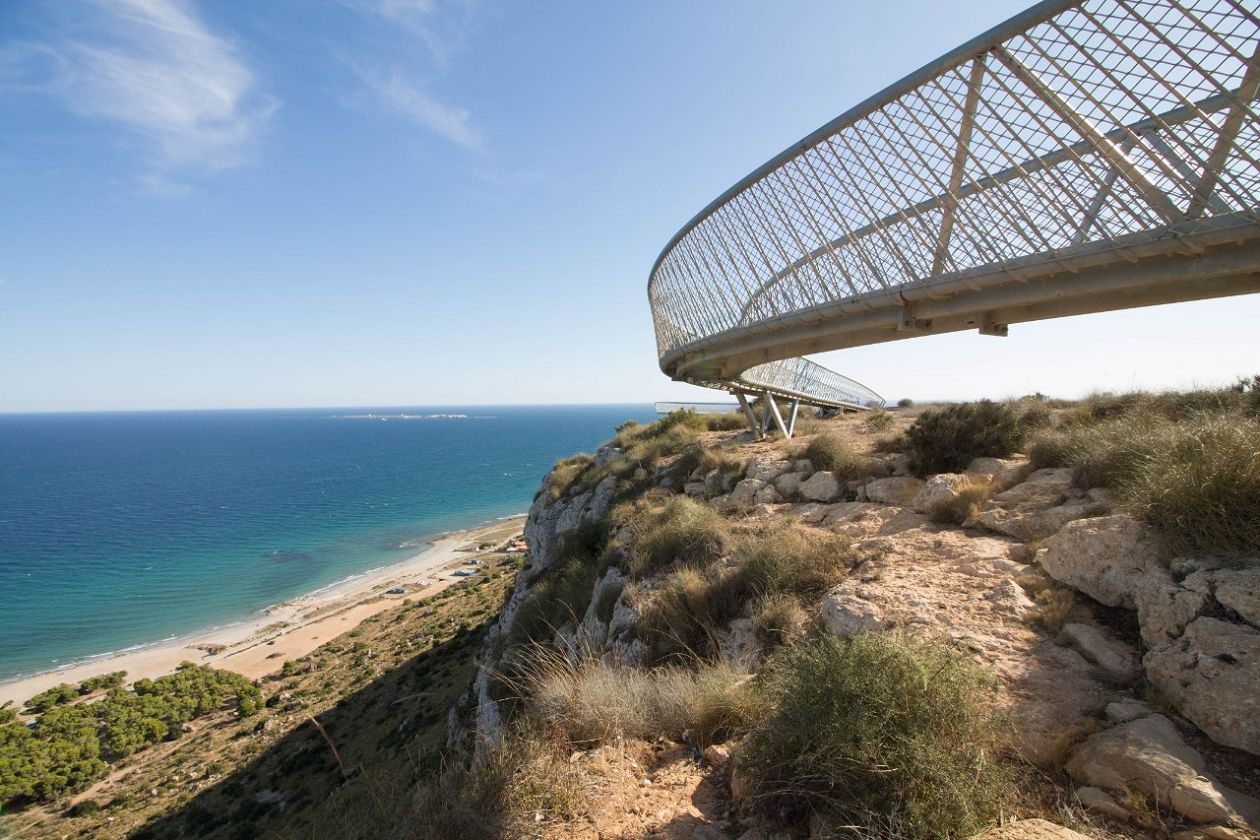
<point>1075,128</point>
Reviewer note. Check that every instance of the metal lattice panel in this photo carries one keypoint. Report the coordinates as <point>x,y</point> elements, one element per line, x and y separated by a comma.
<point>1081,157</point>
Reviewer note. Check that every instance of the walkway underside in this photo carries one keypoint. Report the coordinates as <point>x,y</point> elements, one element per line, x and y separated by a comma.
<point>1082,157</point>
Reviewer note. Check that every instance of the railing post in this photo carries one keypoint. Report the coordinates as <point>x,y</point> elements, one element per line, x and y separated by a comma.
<point>748,413</point>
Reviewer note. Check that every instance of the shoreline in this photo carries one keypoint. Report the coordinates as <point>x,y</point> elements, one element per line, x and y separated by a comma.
<point>259,645</point>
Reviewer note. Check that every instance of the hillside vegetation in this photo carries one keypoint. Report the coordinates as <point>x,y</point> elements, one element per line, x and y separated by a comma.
<point>916,624</point>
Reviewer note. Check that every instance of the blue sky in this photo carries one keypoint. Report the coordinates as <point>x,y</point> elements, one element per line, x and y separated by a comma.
<point>418,202</point>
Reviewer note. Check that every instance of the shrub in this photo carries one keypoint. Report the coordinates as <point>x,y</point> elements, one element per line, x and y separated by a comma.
<point>521,783</point>
<point>683,616</point>
<point>878,420</point>
<point>1196,481</point>
<point>594,702</point>
<point>726,422</point>
<point>779,619</point>
<point>962,507</point>
<point>565,473</point>
<point>113,679</point>
<point>680,531</point>
<point>878,728</point>
<point>789,559</point>
<point>1201,489</point>
<point>829,451</point>
<point>905,402</point>
<point>58,695</point>
<point>948,439</point>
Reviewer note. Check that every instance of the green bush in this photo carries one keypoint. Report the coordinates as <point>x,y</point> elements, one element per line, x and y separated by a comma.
<point>58,695</point>
<point>681,530</point>
<point>948,439</point>
<point>878,729</point>
<point>114,679</point>
<point>905,402</point>
<point>829,451</point>
<point>878,420</point>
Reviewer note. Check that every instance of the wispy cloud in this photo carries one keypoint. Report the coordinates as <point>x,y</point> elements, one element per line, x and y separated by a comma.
<point>393,87</point>
<point>156,69</point>
<point>402,85</point>
<point>441,25</point>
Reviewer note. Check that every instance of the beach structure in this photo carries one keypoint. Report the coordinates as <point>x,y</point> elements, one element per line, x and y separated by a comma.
<point>1080,157</point>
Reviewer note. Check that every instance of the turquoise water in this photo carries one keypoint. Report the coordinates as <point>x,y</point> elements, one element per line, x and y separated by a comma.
<point>122,529</point>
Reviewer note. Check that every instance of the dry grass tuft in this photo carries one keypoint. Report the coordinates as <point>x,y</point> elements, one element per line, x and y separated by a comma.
<point>829,451</point>
<point>681,531</point>
<point>964,505</point>
<point>593,702</point>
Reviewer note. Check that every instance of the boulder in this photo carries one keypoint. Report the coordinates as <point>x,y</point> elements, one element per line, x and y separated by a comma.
<point>1148,755</point>
<point>1042,489</point>
<point>1003,473</point>
<point>1118,661</point>
<point>939,489</point>
<point>894,491</point>
<point>1239,590</point>
<point>803,465</point>
<point>1027,526</point>
<point>1033,829</point>
<point>885,464</point>
<point>1104,557</point>
<point>763,470</point>
<point>1008,597</point>
<point>745,492</point>
<point>716,482</point>
<point>1100,802</point>
<point>1123,711</point>
<point>694,488</point>
<point>767,496</point>
<point>822,486</point>
<point>1165,607</point>
<point>1212,675</point>
<point>789,484</point>
<point>846,614</point>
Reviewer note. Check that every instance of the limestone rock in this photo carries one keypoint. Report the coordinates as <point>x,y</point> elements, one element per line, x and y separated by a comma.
<point>739,647</point>
<point>789,484</point>
<point>1003,473</point>
<point>885,464</point>
<point>1111,656</point>
<point>1149,755</point>
<point>694,488</point>
<point>761,470</point>
<point>1104,557</point>
<point>1165,607</point>
<point>1100,802</point>
<point>822,486</point>
<point>1027,526</point>
<point>1123,711</point>
<point>846,614</point>
<point>939,489</point>
<point>1009,597</point>
<point>1239,590</point>
<point>894,491</point>
<point>1042,489</point>
<point>1033,829</point>
<point>745,492</point>
<point>803,465</point>
<point>767,495</point>
<point>716,483</point>
<point>1212,675</point>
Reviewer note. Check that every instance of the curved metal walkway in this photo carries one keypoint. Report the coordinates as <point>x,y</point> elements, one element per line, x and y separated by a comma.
<point>1081,157</point>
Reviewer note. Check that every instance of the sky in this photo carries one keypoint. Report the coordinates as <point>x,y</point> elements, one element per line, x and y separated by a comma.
<point>447,202</point>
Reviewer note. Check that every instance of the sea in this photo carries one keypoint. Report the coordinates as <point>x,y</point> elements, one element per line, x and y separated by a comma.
<point>123,529</point>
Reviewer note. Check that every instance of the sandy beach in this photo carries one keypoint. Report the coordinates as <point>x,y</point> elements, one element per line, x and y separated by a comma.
<point>260,645</point>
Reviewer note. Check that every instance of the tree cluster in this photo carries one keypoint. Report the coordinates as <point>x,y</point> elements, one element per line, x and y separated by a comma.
<point>68,744</point>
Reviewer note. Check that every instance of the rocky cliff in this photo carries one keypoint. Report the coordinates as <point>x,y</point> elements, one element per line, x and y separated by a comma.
<point>1131,671</point>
